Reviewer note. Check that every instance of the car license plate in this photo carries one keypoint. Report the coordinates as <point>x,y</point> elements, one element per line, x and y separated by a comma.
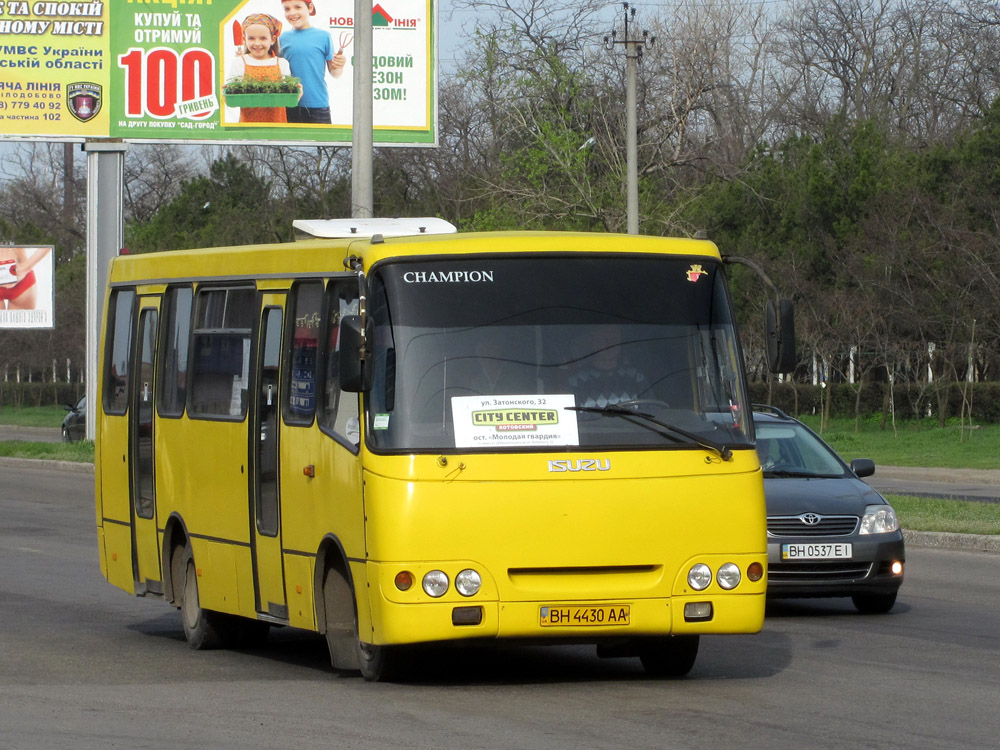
<point>583,615</point>
<point>816,551</point>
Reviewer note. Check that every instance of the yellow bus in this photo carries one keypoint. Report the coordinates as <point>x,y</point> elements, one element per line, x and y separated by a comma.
<point>446,437</point>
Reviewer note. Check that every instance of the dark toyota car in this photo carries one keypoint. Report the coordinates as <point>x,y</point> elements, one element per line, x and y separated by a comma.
<point>828,533</point>
<point>74,426</point>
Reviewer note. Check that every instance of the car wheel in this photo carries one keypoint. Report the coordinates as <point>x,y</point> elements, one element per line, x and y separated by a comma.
<point>874,604</point>
<point>669,657</point>
<point>65,435</point>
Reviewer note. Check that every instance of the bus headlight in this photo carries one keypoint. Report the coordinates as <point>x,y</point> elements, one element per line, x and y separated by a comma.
<point>468,582</point>
<point>878,519</point>
<point>699,577</point>
<point>435,583</point>
<point>728,576</point>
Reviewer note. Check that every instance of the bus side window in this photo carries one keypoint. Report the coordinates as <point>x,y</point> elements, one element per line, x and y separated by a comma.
<point>338,410</point>
<point>307,310</point>
<point>220,359</point>
<point>174,351</point>
<point>118,347</point>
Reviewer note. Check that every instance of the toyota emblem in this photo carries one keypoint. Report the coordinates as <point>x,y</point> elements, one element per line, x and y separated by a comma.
<point>810,519</point>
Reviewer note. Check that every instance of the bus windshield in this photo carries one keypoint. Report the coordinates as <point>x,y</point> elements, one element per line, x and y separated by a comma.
<point>603,352</point>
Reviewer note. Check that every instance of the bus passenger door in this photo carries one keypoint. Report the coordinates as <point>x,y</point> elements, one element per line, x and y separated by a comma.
<point>145,541</point>
<point>265,534</point>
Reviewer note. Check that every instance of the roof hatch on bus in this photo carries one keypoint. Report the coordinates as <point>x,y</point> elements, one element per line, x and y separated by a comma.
<point>398,227</point>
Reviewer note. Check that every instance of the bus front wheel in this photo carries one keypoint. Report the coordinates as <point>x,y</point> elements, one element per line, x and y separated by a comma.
<point>203,628</point>
<point>343,638</point>
<point>669,657</point>
<point>381,663</point>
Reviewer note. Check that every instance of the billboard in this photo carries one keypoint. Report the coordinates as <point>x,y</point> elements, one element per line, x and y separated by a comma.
<point>212,71</point>
<point>26,286</point>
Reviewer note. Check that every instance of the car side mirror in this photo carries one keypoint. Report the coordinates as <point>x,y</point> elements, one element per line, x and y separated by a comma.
<point>863,467</point>
<point>779,335</point>
<point>355,356</point>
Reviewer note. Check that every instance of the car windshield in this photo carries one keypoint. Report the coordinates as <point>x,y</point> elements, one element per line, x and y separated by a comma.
<point>790,449</point>
<point>494,353</point>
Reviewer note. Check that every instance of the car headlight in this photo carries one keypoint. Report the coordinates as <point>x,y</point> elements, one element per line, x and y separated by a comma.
<point>435,583</point>
<point>699,577</point>
<point>879,519</point>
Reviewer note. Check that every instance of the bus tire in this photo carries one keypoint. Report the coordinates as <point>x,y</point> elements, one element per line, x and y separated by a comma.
<point>382,663</point>
<point>203,628</point>
<point>376,663</point>
<point>669,657</point>
<point>341,621</point>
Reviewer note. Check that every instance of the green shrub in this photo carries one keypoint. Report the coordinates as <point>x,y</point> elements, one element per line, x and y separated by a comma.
<point>24,394</point>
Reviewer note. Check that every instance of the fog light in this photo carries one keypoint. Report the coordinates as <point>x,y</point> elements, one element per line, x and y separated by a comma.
<point>897,568</point>
<point>467,582</point>
<point>435,583</point>
<point>466,615</point>
<point>729,576</point>
<point>699,577</point>
<point>403,580</point>
<point>755,571</point>
<point>697,611</point>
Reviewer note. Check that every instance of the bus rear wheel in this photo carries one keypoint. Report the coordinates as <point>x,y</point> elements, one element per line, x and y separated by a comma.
<point>203,628</point>
<point>669,657</point>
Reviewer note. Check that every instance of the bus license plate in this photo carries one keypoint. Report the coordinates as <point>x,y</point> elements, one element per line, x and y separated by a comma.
<point>816,551</point>
<point>583,615</point>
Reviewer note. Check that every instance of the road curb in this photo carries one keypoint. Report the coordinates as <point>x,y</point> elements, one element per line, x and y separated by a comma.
<point>45,464</point>
<point>950,540</point>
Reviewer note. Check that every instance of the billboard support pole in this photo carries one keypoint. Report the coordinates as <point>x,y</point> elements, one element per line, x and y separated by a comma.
<point>362,182</point>
<point>105,236</point>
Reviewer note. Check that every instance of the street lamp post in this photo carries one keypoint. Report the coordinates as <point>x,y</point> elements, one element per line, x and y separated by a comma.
<point>633,52</point>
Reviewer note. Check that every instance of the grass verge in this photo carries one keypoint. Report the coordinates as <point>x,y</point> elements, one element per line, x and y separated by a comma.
<point>32,416</point>
<point>941,514</point>
<point>914,443</point>
<point>82,451</point>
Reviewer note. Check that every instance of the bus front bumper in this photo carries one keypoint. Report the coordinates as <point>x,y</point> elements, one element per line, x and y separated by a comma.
<point>581,621</point>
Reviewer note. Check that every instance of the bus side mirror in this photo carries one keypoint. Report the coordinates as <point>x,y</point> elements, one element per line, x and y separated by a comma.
<point>779,333</point>
<point>355,358</point>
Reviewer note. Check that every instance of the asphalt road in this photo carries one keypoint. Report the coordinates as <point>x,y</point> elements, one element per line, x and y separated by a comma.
<point>85,665</point>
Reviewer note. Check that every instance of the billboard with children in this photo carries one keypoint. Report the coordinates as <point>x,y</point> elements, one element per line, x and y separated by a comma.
<point>258,71</point>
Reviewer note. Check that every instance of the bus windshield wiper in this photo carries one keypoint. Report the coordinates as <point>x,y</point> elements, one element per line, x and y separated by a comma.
<point>613,410</point>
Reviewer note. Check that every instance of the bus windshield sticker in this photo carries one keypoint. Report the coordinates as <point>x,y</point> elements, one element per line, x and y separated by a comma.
<point>380,422</point>
<point>514,421</point>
